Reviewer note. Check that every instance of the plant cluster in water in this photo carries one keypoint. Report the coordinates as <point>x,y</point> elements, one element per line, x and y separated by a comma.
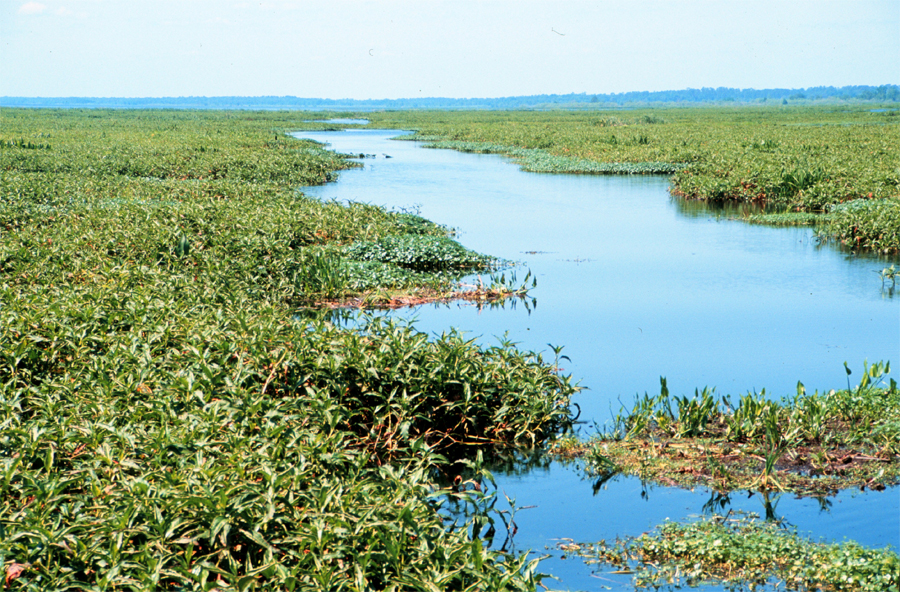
<point>810,444</point>
<point>169,420</point>
<point>743,553</point>
<point>537,160</point>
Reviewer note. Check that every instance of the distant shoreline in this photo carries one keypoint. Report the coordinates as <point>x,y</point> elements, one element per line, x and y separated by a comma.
<point>702,96</point>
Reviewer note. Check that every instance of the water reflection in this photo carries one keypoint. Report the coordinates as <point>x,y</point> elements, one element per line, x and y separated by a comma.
<point>702,209</point>
<point>717,503</point>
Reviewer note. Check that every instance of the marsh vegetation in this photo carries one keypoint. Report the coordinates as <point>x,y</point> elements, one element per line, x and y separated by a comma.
<point>744,553</point>
<point>176,411</point>
<point>832,456</point>
<point>171,419</point>
<point>808,444</point>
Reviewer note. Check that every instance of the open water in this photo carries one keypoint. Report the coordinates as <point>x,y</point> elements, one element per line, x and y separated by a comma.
<point>636,285</point>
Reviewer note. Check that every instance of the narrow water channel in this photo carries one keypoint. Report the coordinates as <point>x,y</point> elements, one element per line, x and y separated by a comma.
<point>635,285</point>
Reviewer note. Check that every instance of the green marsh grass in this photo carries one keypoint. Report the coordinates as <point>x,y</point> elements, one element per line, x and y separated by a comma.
<point>538,160</point>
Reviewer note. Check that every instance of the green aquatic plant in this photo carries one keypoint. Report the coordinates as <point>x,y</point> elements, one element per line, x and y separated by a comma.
<point>871,224</point>
<point>809,443</point>
<point>889,273</point>
<point>788,219</point>
<point>796,180</point>
<point>776,444</point>
<point>742,552</point>
<point>420,253</point>
<point>537,160</point>
<point>320,274</point>
<point>21,143</point>
<point>746,420</point>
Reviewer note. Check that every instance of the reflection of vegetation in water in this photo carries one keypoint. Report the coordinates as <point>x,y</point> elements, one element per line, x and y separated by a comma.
<point>742,553</point>
<point>705,209</point>
<point>751,212</point>
<point>810,444</point>
<point>800,159</point>
<point>469,499</point>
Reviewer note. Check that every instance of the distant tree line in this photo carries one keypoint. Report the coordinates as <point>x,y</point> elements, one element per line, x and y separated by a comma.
<point>883,93</point>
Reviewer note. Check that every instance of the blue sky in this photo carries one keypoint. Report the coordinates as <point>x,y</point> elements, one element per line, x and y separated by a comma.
<point>399,49</point>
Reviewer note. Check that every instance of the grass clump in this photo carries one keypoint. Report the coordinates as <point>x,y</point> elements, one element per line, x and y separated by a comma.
<point>419,253</point>
<point>809,444</point>
<point>867,224</point>
<point>743,554</point>
<point>170,419</point>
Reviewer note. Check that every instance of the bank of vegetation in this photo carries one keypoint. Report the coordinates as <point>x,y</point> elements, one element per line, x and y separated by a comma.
<point>176,414</point>
<point>834,165</point>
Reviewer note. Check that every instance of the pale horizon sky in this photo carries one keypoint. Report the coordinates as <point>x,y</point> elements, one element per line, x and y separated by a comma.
<point>387,49</point>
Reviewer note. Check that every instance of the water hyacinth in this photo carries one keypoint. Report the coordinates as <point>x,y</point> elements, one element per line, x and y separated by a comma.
<point>742,552</point>
<point>420,253</point>
<point>870,224</point>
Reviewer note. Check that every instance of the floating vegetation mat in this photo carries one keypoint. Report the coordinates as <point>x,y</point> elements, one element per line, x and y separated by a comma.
<point>871,224</point>
<point>744,554</point>
<point>788,219</point>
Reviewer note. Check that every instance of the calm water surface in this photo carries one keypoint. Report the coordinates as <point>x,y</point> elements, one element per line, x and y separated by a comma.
<point>636,285</point>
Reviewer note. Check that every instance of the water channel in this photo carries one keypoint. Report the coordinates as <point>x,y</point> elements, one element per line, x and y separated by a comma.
<point>636,285</point>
